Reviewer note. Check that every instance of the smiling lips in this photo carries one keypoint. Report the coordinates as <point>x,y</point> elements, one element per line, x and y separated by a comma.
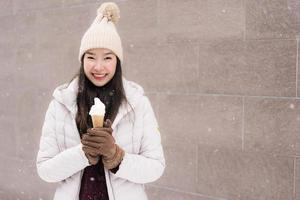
<point>99,76</point>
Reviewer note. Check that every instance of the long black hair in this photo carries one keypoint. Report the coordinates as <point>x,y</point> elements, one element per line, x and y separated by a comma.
<point>112,94</point>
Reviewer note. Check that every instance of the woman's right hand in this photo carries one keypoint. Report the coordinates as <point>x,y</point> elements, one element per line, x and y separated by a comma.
<point>93,158</point>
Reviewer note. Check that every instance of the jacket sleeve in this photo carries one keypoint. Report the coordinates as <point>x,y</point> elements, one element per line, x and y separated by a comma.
<point>52,164</point>
<point>149,164</point>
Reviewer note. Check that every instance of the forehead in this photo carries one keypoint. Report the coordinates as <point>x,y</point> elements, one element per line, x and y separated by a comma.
<point>99,51</point>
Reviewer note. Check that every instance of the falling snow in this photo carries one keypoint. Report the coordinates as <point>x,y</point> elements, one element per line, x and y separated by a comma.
<point>292,106</point>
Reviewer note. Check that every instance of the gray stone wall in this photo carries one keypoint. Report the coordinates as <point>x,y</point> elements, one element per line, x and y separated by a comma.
<point>222,76</point>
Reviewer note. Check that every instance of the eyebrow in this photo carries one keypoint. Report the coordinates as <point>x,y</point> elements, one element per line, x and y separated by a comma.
<point>89,53</point>
<point>94,54</point>
<point>108,53</point>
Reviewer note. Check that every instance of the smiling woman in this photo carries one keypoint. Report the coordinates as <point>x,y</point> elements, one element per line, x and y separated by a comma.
<point>104,163</point>
<point>99,65</point>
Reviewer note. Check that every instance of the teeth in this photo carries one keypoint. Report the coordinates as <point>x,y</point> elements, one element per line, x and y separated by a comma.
<point>99,75</point>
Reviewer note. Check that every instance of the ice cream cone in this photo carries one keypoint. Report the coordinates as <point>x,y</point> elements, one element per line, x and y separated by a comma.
<point>97,113</point>
<point>98,121</point>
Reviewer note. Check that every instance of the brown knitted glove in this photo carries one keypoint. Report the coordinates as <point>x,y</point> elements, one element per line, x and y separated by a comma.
<point>93,160</point>
<point>115,160</point>
<point>99,141</point>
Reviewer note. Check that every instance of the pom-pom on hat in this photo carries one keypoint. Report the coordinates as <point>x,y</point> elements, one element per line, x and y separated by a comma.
<point>102,33</point>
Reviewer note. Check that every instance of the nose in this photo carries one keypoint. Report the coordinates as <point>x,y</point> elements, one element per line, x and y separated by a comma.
<point>99,65</point>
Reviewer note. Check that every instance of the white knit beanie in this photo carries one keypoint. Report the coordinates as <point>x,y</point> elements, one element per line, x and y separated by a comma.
<point>102,33</point>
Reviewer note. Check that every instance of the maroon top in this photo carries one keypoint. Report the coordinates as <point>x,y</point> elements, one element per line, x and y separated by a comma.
<point>93,183</point>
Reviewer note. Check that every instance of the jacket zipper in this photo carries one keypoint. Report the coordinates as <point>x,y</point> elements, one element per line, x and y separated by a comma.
<point>109,185</point>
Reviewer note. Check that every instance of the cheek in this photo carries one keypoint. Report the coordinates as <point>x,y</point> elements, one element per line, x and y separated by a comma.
<point>112,68</point>
<point>86,68</point>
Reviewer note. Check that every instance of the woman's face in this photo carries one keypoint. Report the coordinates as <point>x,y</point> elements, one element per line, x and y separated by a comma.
<point>99,65</point>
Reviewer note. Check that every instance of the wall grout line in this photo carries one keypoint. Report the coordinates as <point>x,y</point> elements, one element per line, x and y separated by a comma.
<point>297,65</point>
<point>198,63</point>
<point>197,164</point>
<point>270,39</point>
<point>294,181</point>
<point>158,22</point>
<point>219,95</point>
<point>243,124</point>
<point>245,19</point>
<point>186,192</point>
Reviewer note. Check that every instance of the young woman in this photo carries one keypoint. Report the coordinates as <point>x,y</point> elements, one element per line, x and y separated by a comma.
<point>109,163</point>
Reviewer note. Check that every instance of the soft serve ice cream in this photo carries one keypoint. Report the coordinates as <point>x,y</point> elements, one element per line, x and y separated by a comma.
<point>97,113</point>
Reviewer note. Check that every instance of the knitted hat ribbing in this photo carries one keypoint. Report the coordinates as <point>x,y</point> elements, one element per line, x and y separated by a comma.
<point>102,33</point>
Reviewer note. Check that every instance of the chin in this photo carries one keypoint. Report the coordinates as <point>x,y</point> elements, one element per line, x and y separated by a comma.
<point>99,84</point>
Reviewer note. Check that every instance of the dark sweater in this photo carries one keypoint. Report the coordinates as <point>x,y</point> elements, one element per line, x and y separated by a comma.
<point>93,183</point>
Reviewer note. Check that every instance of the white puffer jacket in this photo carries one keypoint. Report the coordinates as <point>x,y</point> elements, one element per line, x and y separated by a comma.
<point>61,159</point>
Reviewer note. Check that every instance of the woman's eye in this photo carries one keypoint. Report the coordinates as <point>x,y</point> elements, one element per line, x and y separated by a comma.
<point>90,57</point>
<point>107,58</point>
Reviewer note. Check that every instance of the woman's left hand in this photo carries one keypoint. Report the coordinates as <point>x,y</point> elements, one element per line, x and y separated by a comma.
<point>99,141</point>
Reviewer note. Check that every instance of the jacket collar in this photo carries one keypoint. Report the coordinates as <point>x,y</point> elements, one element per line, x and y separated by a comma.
<point>66,94</point>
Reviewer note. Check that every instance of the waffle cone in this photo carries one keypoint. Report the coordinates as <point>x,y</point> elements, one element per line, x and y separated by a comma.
<point>97,121</point>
